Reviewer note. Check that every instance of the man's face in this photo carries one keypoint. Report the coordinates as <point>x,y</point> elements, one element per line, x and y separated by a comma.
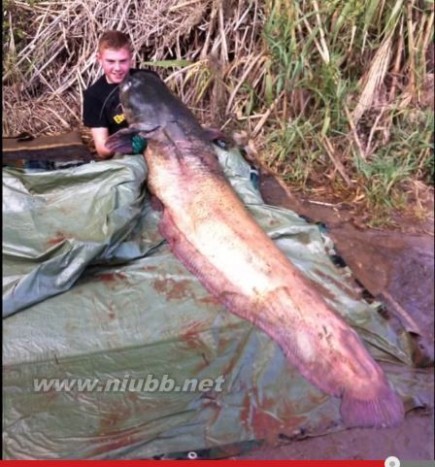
<point>115,63</point>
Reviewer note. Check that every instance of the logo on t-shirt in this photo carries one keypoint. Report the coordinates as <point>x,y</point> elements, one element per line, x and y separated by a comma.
<point>119,118</point>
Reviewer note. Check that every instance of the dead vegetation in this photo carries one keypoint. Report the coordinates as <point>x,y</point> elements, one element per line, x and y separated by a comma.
<point>205,50</point>
<point>337,96</point>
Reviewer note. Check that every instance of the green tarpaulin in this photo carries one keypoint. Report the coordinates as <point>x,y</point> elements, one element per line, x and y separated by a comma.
<point>112,350</point>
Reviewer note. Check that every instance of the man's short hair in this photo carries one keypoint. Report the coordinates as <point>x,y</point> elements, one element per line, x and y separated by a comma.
<point>114,40</point>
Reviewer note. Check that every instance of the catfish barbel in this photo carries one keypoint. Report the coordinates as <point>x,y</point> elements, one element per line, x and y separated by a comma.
<point>211,232</point>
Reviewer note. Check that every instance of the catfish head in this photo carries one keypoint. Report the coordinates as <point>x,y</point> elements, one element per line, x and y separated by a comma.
<point>144,97</point>
<point>154,113</point>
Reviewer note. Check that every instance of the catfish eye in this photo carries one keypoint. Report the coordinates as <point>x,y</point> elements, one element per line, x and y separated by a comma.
<point>126,85</point>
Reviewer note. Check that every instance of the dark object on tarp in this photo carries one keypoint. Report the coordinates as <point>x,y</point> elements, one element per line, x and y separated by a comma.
<point>25,147</point>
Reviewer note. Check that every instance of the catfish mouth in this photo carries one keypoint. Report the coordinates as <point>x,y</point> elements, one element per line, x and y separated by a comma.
<point>135,113</point>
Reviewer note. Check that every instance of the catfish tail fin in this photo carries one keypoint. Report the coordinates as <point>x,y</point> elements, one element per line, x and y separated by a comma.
<point>384,410</point>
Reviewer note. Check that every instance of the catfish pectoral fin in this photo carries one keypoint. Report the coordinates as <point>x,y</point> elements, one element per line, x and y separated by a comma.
<point>214,134</point>
<point>121,141</point>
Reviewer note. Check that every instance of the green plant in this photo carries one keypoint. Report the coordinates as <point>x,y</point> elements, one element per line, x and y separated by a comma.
<point>350,75</point>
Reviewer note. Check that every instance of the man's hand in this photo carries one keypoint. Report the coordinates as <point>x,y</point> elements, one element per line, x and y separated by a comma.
<point>100,136</point>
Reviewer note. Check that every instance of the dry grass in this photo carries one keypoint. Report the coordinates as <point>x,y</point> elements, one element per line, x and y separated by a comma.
<point>55,60</point>
<point>334,94</point>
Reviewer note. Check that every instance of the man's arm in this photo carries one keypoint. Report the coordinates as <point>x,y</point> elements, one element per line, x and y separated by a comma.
<point>100,136</point>
<point>94,118</point>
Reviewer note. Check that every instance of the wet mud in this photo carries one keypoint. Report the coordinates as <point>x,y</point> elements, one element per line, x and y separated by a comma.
<point>396,268</point>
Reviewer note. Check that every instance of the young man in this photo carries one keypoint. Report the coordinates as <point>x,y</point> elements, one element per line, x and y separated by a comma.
<point>102,110</point>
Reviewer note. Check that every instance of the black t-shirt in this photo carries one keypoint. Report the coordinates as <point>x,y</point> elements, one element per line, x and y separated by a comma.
<point>101,105</point>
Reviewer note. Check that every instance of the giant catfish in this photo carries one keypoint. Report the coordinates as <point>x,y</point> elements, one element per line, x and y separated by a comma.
<point>212,233</point>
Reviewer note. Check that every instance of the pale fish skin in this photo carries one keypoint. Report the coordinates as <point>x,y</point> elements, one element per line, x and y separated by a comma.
<point>212,233</point>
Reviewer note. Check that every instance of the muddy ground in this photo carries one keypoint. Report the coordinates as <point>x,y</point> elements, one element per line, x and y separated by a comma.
<point>396,267</point>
